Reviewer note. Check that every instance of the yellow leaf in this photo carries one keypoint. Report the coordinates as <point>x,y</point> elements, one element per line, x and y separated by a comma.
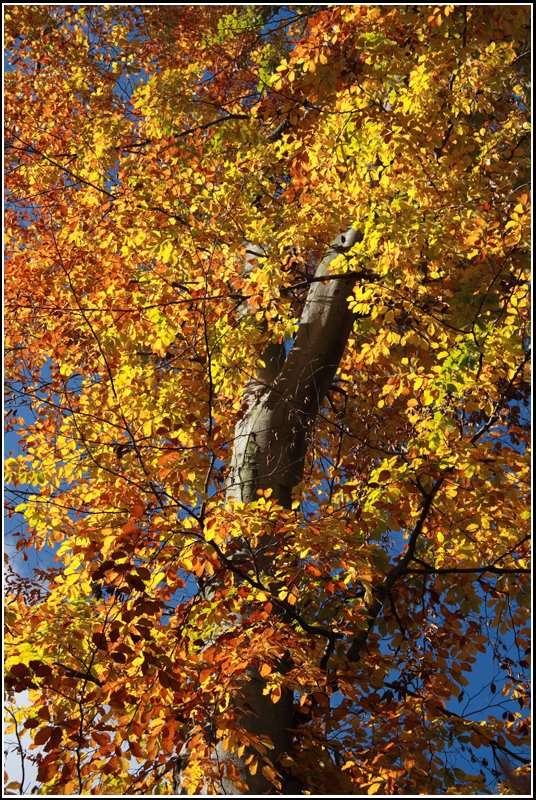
<point>374,788</point>
<point>155,580</point>
<point>147,427</point>
<point>427,397</point>
<point>269,773</point>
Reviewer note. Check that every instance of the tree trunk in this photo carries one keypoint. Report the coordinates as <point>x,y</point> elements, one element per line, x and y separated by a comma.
<point>270,445</point>
<point>281,403</point>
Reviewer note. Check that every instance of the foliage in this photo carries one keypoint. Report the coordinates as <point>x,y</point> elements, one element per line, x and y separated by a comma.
<point>145,146</point>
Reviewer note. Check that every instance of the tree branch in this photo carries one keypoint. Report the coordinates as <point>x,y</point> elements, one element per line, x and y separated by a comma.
<point>382,592</point>
<point>74,673</point>
<point>211,123</point>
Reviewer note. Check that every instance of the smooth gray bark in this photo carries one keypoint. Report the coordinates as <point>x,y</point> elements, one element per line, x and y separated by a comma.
<point>281,403</point>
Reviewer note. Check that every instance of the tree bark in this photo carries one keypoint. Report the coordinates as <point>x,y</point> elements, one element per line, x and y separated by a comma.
<point>270,445</point>
<point>282,401</point>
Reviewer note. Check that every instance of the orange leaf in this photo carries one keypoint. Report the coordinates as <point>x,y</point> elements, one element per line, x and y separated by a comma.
<point>130,527</point>
<point>276,694</point>
<point>138,510</point>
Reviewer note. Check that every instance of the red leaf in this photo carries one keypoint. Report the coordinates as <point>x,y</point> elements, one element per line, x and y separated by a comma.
<point>138,510</point>
<point>130,527</point>
<point>43,735</point>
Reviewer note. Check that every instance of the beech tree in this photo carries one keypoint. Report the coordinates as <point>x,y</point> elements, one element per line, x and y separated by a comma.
<point>267,357</point>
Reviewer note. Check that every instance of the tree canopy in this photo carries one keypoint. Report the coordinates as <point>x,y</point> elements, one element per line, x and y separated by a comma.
<point>267,329</point>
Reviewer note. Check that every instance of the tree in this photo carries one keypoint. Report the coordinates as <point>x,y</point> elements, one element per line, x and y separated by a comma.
<point>267,355</point>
